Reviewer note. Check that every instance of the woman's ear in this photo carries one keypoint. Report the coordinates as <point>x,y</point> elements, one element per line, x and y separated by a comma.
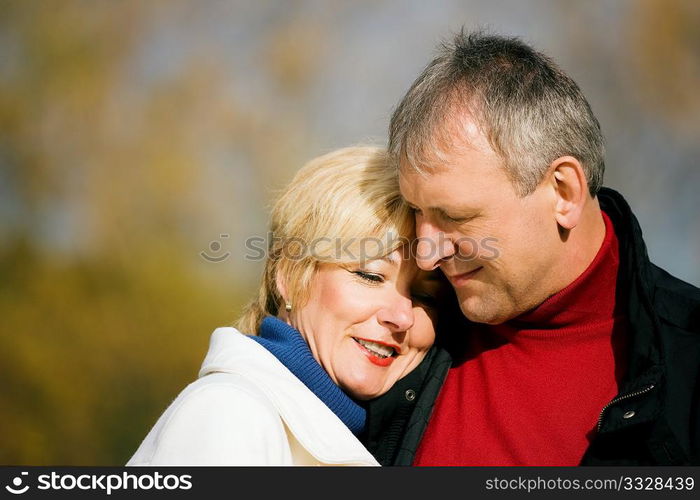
<point>286,306</point>
<point>282,286</point>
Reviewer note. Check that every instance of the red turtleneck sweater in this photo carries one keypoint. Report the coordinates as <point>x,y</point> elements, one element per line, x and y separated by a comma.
<point>531,389</point>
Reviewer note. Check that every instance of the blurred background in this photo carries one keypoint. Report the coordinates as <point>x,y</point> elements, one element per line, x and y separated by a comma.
<point>141,143</point>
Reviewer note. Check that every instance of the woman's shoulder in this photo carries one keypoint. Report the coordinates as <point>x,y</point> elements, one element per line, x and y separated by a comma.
<point>244,410</point>
<point>225,417</point>
<point>218,401</point>
<point>223,388</point>
<point>230,374</point>
<point>220,419</point>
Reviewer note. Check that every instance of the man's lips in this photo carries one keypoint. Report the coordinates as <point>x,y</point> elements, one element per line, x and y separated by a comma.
<point>461,279</point>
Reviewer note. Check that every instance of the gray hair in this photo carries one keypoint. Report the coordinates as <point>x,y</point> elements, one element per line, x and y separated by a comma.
<point>530,111</point>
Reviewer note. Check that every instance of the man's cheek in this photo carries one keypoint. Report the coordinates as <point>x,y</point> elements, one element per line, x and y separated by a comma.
<point>489,249</point>
<point>468,249</point>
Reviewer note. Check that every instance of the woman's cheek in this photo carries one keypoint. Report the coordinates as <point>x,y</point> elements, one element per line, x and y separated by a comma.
<point>424,328</point>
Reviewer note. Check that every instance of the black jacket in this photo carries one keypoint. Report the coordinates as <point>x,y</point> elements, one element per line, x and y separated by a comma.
<point>655,420</point>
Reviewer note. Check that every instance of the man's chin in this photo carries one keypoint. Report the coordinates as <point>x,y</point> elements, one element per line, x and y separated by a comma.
<point>476,311</point>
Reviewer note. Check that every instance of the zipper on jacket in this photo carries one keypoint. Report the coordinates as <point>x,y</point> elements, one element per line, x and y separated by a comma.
<point>622,398</point>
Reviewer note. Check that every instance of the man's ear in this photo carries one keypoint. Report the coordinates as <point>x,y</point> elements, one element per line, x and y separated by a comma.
<point>570,189</point>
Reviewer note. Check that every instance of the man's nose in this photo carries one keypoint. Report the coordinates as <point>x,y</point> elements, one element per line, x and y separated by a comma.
<point>433,245</point>
<point>397,313</point>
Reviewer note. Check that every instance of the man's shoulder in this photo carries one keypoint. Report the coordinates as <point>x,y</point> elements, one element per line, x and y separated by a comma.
<point>675,300</point>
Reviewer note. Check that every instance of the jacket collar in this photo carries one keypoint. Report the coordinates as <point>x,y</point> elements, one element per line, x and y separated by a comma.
<point>641,387</point>
<point>311,422</point>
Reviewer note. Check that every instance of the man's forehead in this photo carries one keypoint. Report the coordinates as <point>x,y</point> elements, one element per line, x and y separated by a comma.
<point>425,166</point>
<point>445,147</point>
<point>410,178</point>
<point>451,185</point>
<point>427,170</point>
<point>423,189</point>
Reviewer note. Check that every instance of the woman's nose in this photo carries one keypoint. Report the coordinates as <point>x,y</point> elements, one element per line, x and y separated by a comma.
<point>398,314</point>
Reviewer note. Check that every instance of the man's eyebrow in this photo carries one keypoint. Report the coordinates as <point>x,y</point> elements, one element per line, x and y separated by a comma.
<point>464,212</point>
<point>432,209</point>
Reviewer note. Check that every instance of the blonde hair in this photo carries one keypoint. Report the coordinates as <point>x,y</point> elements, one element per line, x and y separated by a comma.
<point>342,207</point>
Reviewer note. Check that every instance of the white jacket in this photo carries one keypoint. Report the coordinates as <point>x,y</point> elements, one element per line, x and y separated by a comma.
<point>247,408</point>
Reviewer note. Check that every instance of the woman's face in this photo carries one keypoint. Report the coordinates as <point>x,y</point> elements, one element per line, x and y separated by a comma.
<point>369,325</point>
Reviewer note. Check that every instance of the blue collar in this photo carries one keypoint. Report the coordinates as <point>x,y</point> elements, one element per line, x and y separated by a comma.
<point>290,348</point>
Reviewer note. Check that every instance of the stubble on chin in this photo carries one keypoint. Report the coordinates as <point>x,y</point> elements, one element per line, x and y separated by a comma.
<point>489,308</point>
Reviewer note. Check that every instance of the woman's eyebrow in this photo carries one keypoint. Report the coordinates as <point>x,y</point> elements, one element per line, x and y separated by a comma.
<point>390,258</point>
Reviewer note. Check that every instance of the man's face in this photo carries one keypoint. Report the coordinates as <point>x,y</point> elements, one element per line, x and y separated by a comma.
<point>496,248</point>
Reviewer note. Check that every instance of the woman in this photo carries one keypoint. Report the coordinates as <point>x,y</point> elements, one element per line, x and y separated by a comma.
<point>341,315</point>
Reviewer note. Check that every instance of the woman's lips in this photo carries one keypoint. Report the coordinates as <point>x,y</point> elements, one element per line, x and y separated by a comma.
<point>373,357</point>
<point>461,279</point>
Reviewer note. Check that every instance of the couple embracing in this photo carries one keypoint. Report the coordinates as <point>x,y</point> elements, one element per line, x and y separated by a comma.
<point>560,345</point>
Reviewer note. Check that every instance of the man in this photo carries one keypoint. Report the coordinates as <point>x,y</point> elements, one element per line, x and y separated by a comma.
<point>578,350</point>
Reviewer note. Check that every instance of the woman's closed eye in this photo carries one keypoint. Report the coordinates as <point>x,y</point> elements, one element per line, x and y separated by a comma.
<point>373,278</point>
